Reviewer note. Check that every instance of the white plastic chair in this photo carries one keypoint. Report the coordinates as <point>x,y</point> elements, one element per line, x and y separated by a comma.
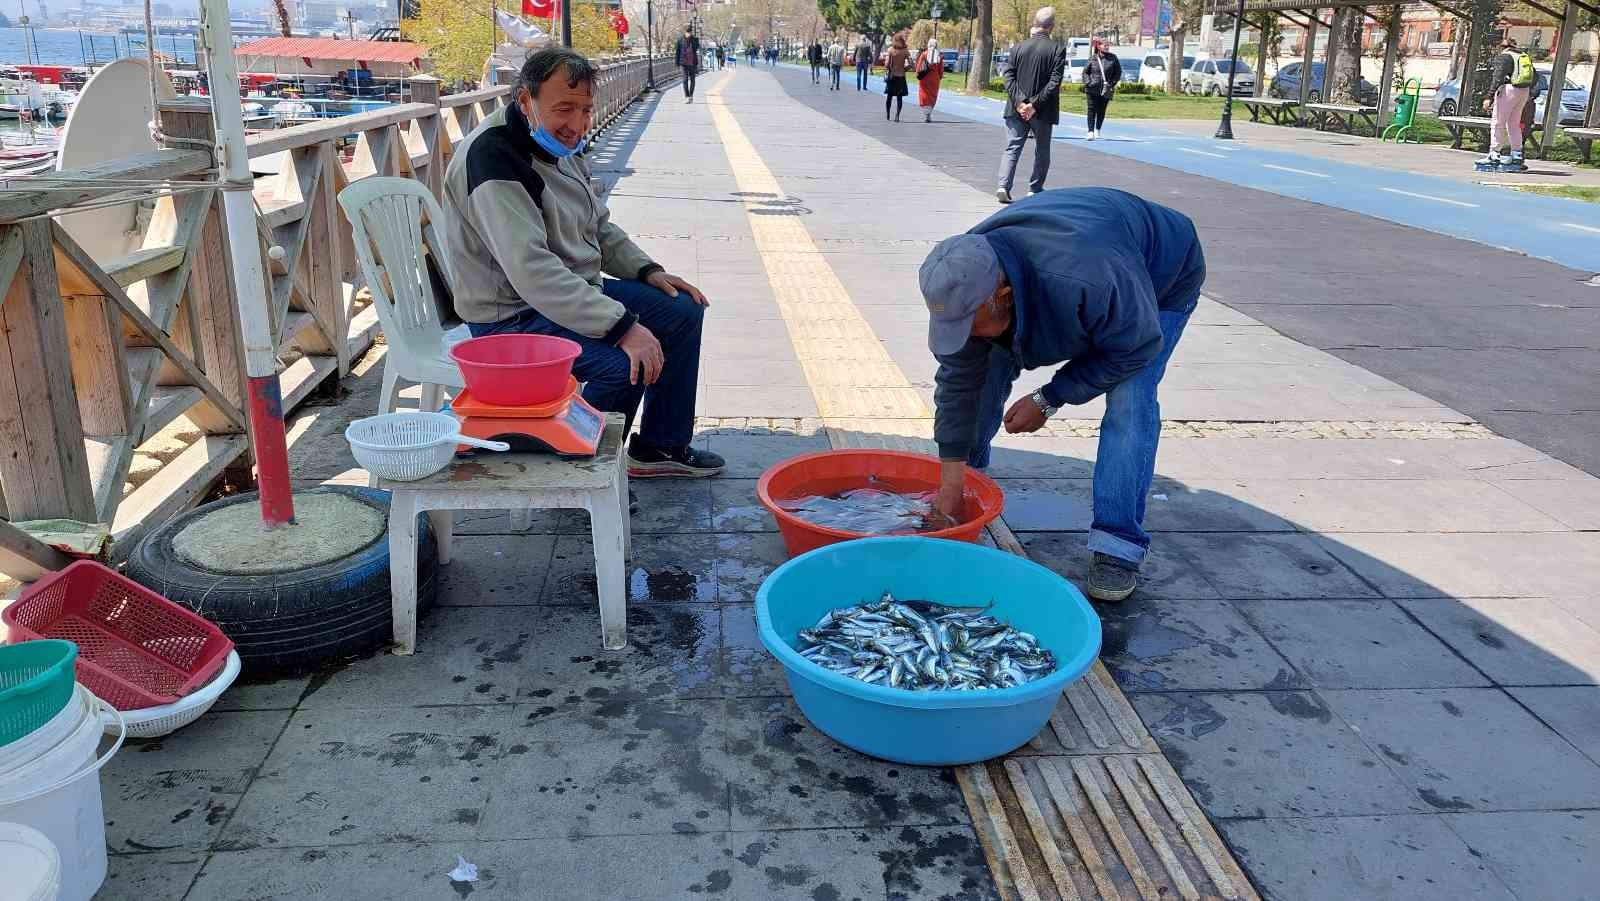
<point>386,214</point>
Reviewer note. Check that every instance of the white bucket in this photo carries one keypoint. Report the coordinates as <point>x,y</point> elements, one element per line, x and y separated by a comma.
<point>47,736</point>
<point>58,794</point>
<point>31,864</point>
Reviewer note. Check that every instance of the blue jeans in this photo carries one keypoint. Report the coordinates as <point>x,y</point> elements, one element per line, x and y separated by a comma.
<point>861,76</point>
<point>1125,463</point>
<point>668,422</point>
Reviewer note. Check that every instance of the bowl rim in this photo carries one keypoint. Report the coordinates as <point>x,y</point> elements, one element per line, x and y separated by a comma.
<point>1067,671</point>
<point>784,517</point>
<point>573,348</point>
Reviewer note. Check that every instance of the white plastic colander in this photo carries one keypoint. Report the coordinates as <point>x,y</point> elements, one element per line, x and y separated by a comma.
<point>404,447</point>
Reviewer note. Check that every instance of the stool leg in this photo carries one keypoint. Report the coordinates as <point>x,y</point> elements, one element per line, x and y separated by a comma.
<point>443,522</point>
<point>627,513</point>
<point>608,523</point>
<point>403,570</point>
<point>430,398</point>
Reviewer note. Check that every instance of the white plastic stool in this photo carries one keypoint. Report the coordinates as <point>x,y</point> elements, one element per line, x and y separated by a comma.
<point>491,481</point>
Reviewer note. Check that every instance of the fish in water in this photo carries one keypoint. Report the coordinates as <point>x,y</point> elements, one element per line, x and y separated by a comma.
<point>920,646</point>
<point>868,511</point>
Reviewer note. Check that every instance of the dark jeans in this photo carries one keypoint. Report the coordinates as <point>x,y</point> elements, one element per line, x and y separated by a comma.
<point>1097,110</point>
<point>1019,131</point>
<point>668,404</point>
<point>861,76</point>
<point>834,72</point>
<point>688,80</point>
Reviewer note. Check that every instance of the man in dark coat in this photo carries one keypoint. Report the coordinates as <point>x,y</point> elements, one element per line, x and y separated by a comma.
<point>687,53</point>
<point>1096,281</point>
<point>814,56</point>
<point>1033,102</point>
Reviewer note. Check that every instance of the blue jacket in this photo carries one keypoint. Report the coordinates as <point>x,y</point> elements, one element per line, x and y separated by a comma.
<point>1089,269</point>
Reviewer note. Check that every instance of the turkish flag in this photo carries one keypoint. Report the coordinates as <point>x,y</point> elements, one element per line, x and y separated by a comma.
<point>541,9</point>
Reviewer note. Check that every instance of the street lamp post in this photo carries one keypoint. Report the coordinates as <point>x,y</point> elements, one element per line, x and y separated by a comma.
<point>934,14</point>
<point>1225,127</point>
<point>650,43</point>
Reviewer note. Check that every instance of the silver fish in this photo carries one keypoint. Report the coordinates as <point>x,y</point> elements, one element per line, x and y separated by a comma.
<point>920,646</point>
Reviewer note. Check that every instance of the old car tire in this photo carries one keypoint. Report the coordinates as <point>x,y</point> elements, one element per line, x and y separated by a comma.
<point>290,620</point>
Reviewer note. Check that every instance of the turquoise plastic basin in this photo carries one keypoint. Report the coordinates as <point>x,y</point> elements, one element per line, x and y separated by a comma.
<point>926,727</point>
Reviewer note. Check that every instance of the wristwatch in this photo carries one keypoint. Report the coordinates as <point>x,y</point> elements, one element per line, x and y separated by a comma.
<point>1044,406</point>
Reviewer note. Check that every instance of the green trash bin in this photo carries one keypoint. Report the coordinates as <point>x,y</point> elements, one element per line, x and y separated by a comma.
<point>1405,112</point>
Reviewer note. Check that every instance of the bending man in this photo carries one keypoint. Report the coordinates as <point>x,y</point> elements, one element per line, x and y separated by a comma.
<point>1096,281</point>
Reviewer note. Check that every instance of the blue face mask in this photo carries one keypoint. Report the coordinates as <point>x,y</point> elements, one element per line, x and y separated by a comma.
<point>550,144</point>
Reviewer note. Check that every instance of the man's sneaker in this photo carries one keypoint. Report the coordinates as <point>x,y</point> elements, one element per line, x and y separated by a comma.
<point>1111,579</point>
<point>645,462</point>
<point>1002,195</point>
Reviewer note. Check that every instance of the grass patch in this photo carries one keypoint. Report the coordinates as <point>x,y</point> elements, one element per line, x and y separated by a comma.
<point>1157,105</point>
<point>1570,192</point>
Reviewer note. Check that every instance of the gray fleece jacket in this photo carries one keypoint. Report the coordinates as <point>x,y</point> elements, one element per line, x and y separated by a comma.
<point>525,230</point>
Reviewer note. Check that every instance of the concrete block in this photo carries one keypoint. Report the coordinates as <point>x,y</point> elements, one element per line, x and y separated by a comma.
<point>1271,754</point>
<point>749,456</point>
<point>1154,645</point>
<point>1470,749</point>
<point>1338,858</point>
<point>1166,572</point>
<point>177,792</point>
<point>664,568</point>
<point>1358,644</point>
<point>1426,564</point>
<point>1573,711</point>
<point>1516,641</point>
<point>787,774</point>
<point>1266,565</point>
<point>1405,505</point>
<point>734,507</point>
<point>1536,854</point>
<point>491,570</point>
<point>162,876</point>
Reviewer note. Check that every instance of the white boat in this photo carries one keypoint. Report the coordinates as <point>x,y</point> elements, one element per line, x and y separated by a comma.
<point>295,112</point>
<point>258,118</point>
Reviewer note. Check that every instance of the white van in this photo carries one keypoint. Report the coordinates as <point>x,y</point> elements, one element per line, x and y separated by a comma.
<point>1077,48</point>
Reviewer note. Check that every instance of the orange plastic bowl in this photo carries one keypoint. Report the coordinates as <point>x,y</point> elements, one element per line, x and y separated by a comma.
<point>516,370</point>
<point>831,471</point>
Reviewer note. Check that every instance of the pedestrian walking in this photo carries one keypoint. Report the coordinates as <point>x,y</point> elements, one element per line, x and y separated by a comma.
<point>864,56</point>
<point>835,63</point>
<point>1101,75</point>
<point>814,56</point>
<point>1096,281</point>
<point>722,56</point>
<point>896,65</point>
<point>1512,78</point>
<point>688,55</point>
<point>1033,102</point>
<point>930,74</point>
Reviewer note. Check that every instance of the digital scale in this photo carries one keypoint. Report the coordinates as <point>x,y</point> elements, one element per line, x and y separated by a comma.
<point>566,426</point>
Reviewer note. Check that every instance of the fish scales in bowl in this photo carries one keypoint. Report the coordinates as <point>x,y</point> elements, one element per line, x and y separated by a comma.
<point>921,646</point>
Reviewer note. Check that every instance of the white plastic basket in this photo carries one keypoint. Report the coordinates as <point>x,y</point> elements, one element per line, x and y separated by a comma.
<point>154,722</point>
<point>404,447</point>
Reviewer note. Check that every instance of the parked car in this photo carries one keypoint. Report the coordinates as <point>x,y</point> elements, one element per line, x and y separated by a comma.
<point>1286,84</point>
<point>952,61</point>
<point>1154,70</point>
<point>1574,99</point>
<point>1210,77</point>
<point>1074,72</point>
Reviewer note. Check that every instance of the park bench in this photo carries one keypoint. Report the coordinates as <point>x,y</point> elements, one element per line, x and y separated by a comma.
<point>1458,126</point>
<point>1343,117</point>
<point>1275,108</point>
<point>1585,138</point>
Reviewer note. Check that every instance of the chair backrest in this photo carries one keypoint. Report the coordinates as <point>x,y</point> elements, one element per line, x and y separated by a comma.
<point>386,216</point>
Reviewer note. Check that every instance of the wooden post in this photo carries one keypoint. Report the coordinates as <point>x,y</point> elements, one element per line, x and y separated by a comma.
<point>44,468</point>
<point>210,278</point>
<point>1391,53</point>
<point>1261,53</point>
<point>1558,77</point>
<point>1305,64</point>
<point>425,89</point>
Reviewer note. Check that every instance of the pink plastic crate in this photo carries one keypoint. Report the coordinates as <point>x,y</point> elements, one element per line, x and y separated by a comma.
<point>136,649</point>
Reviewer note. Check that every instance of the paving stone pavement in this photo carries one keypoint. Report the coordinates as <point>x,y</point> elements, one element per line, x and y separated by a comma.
<point>1368,642</point>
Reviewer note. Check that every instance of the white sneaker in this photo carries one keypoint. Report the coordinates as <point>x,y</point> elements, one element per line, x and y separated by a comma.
<point>1093,135</point>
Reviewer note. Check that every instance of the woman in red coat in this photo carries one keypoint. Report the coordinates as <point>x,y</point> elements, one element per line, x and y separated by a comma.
<point>930,72</point>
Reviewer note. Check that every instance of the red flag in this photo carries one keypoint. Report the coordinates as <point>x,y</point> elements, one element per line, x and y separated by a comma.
<point>541,9</point>
<point>619,23</point>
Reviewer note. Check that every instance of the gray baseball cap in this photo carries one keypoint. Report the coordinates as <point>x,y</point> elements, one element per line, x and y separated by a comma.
<point>957,277</point>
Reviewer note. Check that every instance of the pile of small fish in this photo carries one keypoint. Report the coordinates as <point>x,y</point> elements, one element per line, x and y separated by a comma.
<point>920,646</point>
<point>866,511</point>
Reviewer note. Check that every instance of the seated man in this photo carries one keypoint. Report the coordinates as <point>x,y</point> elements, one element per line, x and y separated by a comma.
<point>528,242</point>
<point>1096,281</point>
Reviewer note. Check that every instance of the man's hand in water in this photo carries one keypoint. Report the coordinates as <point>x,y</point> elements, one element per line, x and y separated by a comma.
<point>947,507</point>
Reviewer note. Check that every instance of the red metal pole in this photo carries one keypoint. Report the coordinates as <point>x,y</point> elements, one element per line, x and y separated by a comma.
<point>272,451</point>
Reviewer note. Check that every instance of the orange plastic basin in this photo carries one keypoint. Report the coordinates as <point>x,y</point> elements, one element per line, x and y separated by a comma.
<point>829,472</point>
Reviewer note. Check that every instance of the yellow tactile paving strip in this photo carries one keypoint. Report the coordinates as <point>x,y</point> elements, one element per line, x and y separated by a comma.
<point>1089,809</point>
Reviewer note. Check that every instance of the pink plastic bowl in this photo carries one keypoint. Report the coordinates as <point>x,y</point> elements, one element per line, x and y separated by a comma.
<point>516,370</point>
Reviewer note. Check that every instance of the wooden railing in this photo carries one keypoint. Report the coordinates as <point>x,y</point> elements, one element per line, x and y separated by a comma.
<point>100,356</point>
